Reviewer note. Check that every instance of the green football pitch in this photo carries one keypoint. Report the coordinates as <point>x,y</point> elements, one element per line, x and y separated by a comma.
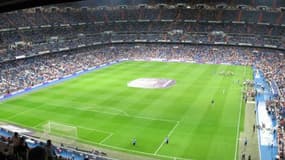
<point>108,113</point>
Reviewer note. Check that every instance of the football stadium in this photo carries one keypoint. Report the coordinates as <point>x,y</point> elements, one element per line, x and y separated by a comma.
<point>142,80</point>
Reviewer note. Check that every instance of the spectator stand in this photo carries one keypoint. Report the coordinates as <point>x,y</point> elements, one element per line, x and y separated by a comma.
<point>63,153</point>
<point>266,120</point>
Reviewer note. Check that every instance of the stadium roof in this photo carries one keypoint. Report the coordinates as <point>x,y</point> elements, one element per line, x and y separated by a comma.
<point>10,5</point>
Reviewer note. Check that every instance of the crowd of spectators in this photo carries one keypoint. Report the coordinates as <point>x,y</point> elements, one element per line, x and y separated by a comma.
<point>273,68</point>
<point>58,15</point>
<point>41,34</point>
<point>24,73</point>
<point>126,24</point>
<point>55,43</point>
<point>16,148</point>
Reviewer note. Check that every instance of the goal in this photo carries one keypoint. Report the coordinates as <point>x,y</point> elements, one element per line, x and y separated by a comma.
<point>60,133</point>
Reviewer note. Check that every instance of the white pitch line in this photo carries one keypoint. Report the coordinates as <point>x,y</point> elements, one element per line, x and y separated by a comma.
<point>86,128</point>
<point>113,113</point>
<point>39,124</point>
<point>138,152</point>
<point>98,130</point>
<point>169,134</point>
<point>113,147</point>
<point>91,108</point>
<point>201,86</point>
<point>237,133</point>
<point>238,123</point>
<point>119,110</point>
<point>96,109</point>
<point>25,111</point>
<point>153,119</point>
<point>106,138</point>
<point>18,124</point>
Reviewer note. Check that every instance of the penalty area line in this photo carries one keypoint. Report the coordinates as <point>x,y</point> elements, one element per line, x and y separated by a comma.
<point>118,113</point>
<point>136,151</point>
<point>93,129</point>
<point>169,134</point>
<point>21,125</point>
<point>106,138</point>
<point>25,111</point>
<point>39,124</point>
<point>112,147</point>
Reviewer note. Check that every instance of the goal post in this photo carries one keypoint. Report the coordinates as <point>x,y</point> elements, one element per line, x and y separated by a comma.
<point>60,133</point>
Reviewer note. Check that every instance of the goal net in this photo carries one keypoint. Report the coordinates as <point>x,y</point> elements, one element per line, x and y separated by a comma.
<point>60,133</point>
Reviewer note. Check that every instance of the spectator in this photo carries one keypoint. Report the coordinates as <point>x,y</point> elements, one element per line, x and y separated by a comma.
<point>22,149</point>
<point>50,151</point>
<point>37,153</point>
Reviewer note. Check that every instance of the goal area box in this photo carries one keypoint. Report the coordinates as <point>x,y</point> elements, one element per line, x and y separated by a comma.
<point>60,133</point>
